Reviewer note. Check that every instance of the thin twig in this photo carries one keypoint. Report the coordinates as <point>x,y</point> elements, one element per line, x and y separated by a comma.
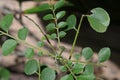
<point>76,36</point>
<point>42,33</point>
<point>68,68</point>
<point>27,44</point>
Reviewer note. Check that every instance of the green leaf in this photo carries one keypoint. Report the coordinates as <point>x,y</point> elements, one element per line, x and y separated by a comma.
<point>48,74</point>
<point>62,34</point>
<point>53,36</point>
<point>40,8</point>
<point>40,53</point>
<point>77,56</point>
<point>59,4</point>
<point>22,33</point>
<point>67,77</point>
<point>44,38</point>
<point>89,69</point>
<point>48,17</point>
<point>60,14</point>
<point>78,68</point>
<point>71,21</point>
<point>31,67</point>
<point>86,77</point>
<point>87,53</point>
<point>99,20</point>
<point>104,54</point>
<point>50,27</point>
<point>62,24</point>
<point>70,63</point>
<point>63,68</point>
<point>40,44</point>
<point>29,53</point>
<point>6,22</point>
<point>4,74</point>
<point>8,46</point>
<point>62,48</point>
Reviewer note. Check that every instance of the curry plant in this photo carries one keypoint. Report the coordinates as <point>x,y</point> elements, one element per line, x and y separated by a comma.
<point>55,30</point>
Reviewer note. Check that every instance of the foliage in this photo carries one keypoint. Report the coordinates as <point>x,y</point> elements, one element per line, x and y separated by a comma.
<point>57,29</point>
<point>97,23</point>
<point>8,46</point>
<point>31,67</point>
<point>48,74</point>
<point>6,22</point>
<point>22,33</point>
<point>4,74</point>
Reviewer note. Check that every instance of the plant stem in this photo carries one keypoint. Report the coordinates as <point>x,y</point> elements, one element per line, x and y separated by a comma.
<point>90,63</point>
<point>20,14</point>
<point>76,36</point>
<point>57,28</point>
<point>27,44</point>
<point>42,33</point>
<point>35,24</point>
<point>39,69</point>
<point>68,68</point>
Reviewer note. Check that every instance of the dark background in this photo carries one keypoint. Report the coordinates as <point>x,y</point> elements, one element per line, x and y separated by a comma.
<point>87,36</point>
